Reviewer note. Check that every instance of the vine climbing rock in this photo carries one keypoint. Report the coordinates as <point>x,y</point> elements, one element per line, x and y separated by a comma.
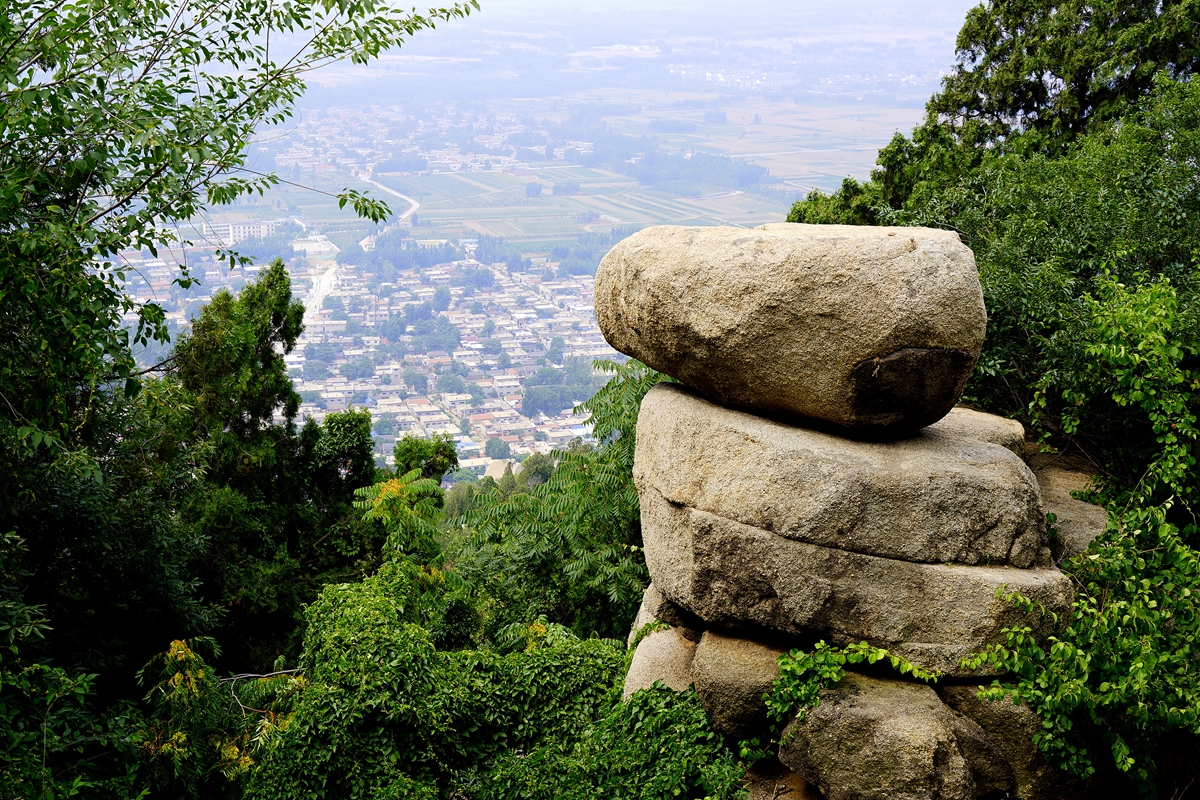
<point>873,330</point>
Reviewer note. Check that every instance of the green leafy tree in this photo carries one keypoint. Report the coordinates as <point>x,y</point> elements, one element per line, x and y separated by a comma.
<point>1089,274</point>
<point>409,507</point>
<point>451,383</point>
<point>441,299</point>
<point>434,457</point>
<point>536,469</point>
<point>275,505</point>
<point>497,448</point>
<point>116,124</point>
<point>417,381</point>
<point>569,548</point>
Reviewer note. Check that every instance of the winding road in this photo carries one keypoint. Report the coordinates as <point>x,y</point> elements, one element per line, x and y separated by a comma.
<point>413,205</point>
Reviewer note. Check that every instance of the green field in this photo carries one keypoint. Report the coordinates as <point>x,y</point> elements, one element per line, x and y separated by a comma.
<point>495,204</point>
<point>802,146</point>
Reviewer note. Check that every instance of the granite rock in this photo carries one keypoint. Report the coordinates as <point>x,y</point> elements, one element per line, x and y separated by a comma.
<point>737,576</point>
<point>881,739</point>
<point>656,607</point>
<point>936,497</point>
<point>1076,522</point>
<point>966,423</point>
<point>1011,728</point>
<point>871,329</point>
<point>662,656</point>
<point>732,674</point>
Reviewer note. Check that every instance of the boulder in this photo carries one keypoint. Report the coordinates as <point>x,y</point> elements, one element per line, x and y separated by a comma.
<point>656,607</point>
<point>932,498</point>
<point>871,329</point>
<point>966,423</point>
<point>732,675</point>
<point>1011,728</point>
<point>662,656</point>
<point>1076,522</point>
<point>881,739</point>
<point>733,575</point>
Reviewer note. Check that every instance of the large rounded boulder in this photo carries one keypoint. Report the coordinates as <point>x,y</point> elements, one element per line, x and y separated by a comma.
<point>874,330</point>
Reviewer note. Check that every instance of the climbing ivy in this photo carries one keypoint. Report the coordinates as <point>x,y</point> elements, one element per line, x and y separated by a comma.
<point>1124,667</point>
<point>802,675</point>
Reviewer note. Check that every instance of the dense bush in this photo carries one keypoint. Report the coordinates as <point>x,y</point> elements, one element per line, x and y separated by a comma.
<point>384,712</point>
<point>1088,263</point>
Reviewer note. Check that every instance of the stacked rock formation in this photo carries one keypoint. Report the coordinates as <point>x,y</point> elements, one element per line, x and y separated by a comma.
<point>810,478</point>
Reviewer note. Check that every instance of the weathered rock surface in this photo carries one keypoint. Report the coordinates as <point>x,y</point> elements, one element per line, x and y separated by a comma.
<point>966,423</point>
<point>937,497</point>
<point>770,780</point>
<point>872,329</point>
<point>662,656</point>
<point>878,739</point>
<point>732,575</point>
<point>732,674</point>
<point>1011,728</point>
<point>656,607</point>
<point>1077,522</point>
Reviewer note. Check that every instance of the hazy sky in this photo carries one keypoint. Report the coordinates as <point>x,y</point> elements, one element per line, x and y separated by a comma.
<point>544,47</point>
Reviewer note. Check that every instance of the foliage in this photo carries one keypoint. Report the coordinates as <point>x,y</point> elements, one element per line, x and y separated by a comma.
<point>497,448</point>
<point>409,507</point>
<point>117,122</point>
<point>434,457</point>
<point>570,547</point>
<point>274,509</point>
<point>1084,230</point>
<point>803,675</point>
<point>657,746</point>
<point>1051,68</point>
<point>383,712</point>
<point>435,334</point>
<point>536,469</point>
<point>55,743</point>
<point>1122,670</point>
<point>853,203</point>
<point>550,390</point>
<point>1090,276</point>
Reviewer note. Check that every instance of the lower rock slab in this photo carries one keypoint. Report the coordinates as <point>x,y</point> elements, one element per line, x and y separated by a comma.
<point>881,739</point>
<point>664,655</point>
<point>732,575</point>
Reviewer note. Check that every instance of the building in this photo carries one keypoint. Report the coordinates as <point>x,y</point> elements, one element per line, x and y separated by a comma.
<point>230,233</point>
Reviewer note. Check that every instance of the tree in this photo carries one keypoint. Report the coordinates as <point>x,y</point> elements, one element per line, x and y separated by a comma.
<point>1031,77</point>
<point>441,299</point>
<point>569,547</point>
<point>1083,261</point>
<point>497,448</point>
<point>1053,69</point>
<point>118,122</point>
<point>417,381</point>
<point>434,457</point>
<point>536,469</point>
<point>451,383</point>
<point>554,353</point>
<point>358,368</point>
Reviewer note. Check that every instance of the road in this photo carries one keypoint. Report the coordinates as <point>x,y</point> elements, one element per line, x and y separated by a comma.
<point>322,286</point>
<point>413,205</point>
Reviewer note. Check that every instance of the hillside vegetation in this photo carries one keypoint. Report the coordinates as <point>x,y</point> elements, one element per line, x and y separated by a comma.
<point>200,598</point>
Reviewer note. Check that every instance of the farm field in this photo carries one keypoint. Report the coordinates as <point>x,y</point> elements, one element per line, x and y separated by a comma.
<point>803,146</point>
